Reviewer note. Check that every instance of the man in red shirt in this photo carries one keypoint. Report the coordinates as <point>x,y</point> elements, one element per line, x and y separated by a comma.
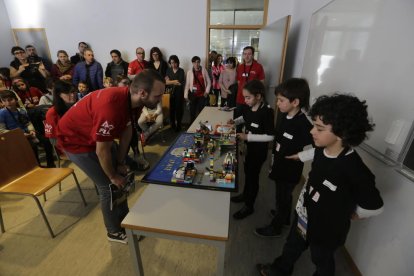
<point>87,133</point>
<point>249,70</point>
<point>137,66</point>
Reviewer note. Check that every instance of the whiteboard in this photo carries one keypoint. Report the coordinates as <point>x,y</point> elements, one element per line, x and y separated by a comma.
<point>367,48</point>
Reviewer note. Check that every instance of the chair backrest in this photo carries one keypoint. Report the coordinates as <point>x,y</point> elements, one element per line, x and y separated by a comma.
<point>16,156</point>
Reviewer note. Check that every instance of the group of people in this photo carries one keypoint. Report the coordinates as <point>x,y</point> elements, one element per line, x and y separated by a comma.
<point>339,188</point>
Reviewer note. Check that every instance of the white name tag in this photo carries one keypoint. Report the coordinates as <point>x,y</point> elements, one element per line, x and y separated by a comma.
<point>287,135</point>
<point>316,197</point>
<point>254,125</point>
<point>328,184</point>
<point>277,146</point>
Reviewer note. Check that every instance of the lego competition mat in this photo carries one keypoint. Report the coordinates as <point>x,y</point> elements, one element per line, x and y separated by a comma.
<point>195,161</point>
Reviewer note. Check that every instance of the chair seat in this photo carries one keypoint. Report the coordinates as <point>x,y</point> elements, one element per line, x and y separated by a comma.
<point>46,178</point>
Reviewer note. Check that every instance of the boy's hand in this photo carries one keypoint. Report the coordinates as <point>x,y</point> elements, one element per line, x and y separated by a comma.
<point>242,136</point>
<point>355,216</point>
<point>293,157</point>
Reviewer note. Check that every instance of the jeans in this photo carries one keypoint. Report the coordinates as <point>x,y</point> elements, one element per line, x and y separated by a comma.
<point>322,256</point>
<point>89,163</point>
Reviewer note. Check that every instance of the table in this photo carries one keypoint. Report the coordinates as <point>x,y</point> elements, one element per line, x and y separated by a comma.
<point>213,115</point>
<point>190,215</point>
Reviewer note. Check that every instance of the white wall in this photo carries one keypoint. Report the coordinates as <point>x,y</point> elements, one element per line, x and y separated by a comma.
<point>176,27</point>
<point>298,35</point>
<point>6,37</point>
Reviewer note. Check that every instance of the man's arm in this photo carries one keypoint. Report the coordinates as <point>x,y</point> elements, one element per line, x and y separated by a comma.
<point>124,141</point>
<point>103,151</point>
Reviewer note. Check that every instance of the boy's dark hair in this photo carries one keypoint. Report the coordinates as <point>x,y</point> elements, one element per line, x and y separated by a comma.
<point>84,83</point>
<point>195,58</point>
<point>84,43</point>
<point>61,87</point>
<point>175,59</point>
<point>7,94</point>
<point>346,114</point>
<point>255,87</point>
<point>5,71</point>
<point>295,88</point>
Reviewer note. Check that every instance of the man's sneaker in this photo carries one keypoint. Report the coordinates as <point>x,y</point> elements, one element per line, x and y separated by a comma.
<point>118,237</point>
<point>268,232</point>
<point>237,199</point>
<point>243,212</point>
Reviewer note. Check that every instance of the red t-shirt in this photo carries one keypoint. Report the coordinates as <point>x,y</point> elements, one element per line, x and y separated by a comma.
<point>198,83</point>
<point>247,73</point>
<point>52,119</point>
<point>135,67</point>
<point>51,122</point>
<point>30,97</point>
<point>101,116</point>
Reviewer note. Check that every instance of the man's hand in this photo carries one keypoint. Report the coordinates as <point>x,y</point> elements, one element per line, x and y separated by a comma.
<point>242,136</point>
<point>118,180</point>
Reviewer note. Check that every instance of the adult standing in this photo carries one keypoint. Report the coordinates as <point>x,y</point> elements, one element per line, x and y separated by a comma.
<point>175,79</point>
<point>249,70</point>
<point>197,88</point>
<point>157,61</point>
<point>78,57</point>
<point>34,73</point>
<point>89,71</point>
<point>117,66</point>
<point>228,83</point>
<point>216,71</point>
<point>63,68</point>
<point>87,133</point>
<point>138,65</point>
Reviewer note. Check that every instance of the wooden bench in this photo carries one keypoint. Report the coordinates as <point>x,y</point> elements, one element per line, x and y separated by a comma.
<point>21,174</point>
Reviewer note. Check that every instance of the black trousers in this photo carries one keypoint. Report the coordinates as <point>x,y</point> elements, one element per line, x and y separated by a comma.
<point>322,257</point>
<point>196,105</point>
<point>176,107</point>
<point>283,208</point>
<point>252,166</point>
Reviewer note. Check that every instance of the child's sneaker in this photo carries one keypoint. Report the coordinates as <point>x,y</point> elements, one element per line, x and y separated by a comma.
<point>118,237</point>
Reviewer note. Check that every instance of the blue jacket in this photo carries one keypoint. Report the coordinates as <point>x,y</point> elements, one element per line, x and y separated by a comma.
<point>95,73</point>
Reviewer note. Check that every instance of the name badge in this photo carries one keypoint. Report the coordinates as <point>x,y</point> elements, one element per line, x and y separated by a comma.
<point>328,184</point>
<point>287,135</point>
<point>277,146</point>
<point>194,89</point>
<point>316,197</point>
<point>254,125</point>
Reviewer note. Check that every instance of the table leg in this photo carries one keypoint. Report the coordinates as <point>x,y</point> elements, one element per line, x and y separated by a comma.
<point>221,254</point>
<point>135,253</point>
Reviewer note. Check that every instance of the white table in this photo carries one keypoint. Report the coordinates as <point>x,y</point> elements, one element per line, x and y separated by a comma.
<point>213,115</point>
<point>184,214</point>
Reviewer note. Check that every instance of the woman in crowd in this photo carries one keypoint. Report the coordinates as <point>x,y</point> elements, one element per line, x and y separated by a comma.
<point>64,96</point>
<point>216,70</point>
<point>63,68</point>
<point>157,61</point>
<point>197,88</point>
<point>175,80</point>
<point>228,83</point>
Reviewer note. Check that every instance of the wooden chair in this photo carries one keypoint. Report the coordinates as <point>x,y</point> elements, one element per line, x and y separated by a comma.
<point>21,175</point>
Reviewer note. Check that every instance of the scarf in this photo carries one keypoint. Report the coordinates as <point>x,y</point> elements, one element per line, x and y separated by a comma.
<point>63,67</point>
